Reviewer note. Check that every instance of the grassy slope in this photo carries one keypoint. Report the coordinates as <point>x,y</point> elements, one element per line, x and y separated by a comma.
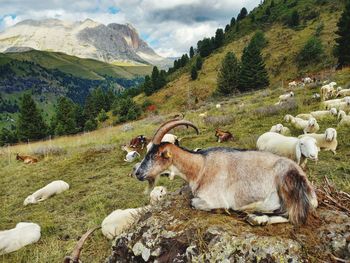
<point>99,181</point>
<point>79,67</point>
<point>279,55</point>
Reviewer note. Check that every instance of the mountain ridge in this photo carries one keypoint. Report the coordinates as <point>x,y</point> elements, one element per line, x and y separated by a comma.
<point>86,39</point>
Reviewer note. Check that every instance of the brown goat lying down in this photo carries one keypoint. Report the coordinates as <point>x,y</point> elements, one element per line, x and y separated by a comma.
<point>245,180</point>
<point>26,159</point>
<point>223,136</point>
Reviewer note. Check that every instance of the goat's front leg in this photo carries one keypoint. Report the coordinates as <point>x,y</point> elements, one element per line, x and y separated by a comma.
<point>200,204</point>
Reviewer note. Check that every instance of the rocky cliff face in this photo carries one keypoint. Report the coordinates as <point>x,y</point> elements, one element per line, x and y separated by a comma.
<point>174,232</point>
<point>87,39</point>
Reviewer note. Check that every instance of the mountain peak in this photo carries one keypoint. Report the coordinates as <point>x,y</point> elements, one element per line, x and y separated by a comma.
<point>85,39</point>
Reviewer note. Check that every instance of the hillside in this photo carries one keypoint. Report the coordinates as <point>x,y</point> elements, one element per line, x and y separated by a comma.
<point>49,75</point>
<point>93,165</point>
<point>85,39</point>
<point>280,54</point>
<point>78,67</point>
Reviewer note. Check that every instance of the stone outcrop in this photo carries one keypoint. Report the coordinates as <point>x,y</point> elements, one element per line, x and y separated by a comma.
<point>173,232</point>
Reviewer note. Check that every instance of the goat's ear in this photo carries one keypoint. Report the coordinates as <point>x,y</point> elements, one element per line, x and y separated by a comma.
<point>166,154</point>
<point>297,152</point>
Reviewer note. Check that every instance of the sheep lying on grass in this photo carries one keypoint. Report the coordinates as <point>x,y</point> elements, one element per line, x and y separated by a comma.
<point>47,191</point>
<point>120,220</point>
<point>326,141</point>
<point>131,155</point>
<point>20,236</point>
<point>343,92</point>
<point>279,128</point>
<point>344,119</point>
<point>293,148</point>
<point>318,114</point>
<point>339,104</point>
<point>308,126</point>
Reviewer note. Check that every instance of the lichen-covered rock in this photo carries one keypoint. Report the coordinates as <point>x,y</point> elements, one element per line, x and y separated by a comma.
<point>174,232</point>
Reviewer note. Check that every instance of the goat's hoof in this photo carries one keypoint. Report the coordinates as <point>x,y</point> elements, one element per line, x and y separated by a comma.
<point>255,220</point>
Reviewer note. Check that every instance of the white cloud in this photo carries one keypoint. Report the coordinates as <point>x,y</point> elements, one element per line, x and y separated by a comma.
<point>171,27</point>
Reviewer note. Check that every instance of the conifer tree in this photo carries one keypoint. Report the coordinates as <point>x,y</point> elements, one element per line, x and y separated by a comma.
<point>219,38</point>
<point>30,123</point>
<point>65,118</point>
<point>253,74</point>
<point>194,73</point>
<point>228,75</point>
<point>199,63</point>
<point>233,21</point>
<point>242,14</point>
<point>191,52</point>
<point>148,86</point>
<point>342,48</point>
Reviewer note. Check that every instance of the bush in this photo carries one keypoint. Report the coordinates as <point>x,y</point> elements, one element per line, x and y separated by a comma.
<point>90,125</point>
<point>293,20</point>
<point>102,116</point>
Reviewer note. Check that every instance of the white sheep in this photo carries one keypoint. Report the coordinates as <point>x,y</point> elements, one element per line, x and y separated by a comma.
<point>326,141</point>
<point>53,188</point>
<point>167,138</point>
<point>279,128</point>
<point>304,116</point>
<point>344,104</point>
<point>344,119</point>
<point>22,235</point>
<point>308,126</point>
<point>318,114</point>
<point>342,92</point>
<point>327,91</point>
<point>316,96</point>
<point>285,97</point>
<point>157,194</point>
<point>218,106</point>
<point>203,115</point>
<point>293,148</point>
<point>131,155</point>
<point>307,80</point>
<point>321,114</point>
<point>292,84</point>
<point>121,219</point>
<point>327,104</point>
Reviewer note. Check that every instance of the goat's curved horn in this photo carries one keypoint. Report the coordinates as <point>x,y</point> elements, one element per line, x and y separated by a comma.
<point>74,258</point>
<point>166,127</point>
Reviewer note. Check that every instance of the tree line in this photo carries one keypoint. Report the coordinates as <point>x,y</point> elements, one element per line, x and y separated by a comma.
<point>69,117</point>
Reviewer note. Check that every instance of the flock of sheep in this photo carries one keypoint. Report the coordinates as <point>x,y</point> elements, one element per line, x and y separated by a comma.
<point>276,141</point>
<point>307,145</point>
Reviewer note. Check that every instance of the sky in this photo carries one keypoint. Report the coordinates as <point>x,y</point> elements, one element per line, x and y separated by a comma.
<point>170,27</point>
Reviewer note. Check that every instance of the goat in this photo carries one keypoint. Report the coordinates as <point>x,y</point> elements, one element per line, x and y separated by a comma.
<point>26,159</point>
<point>245,180</point>
<point>223,136</point>
<point>138,142</point>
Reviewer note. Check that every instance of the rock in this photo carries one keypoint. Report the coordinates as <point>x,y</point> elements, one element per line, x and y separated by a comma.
<point>174,232</point>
